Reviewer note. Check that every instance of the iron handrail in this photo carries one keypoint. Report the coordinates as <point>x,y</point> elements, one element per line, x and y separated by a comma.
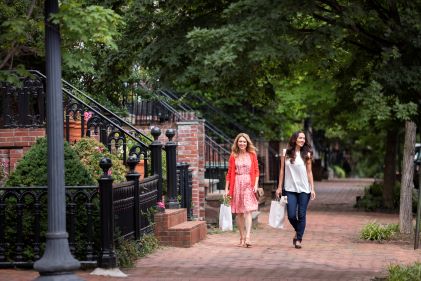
<point>208,125</point>
<point>136,139</point>
<point>101,107</point>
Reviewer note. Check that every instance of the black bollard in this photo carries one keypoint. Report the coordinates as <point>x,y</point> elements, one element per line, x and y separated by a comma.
<point>156,161</point>
<point>107,258</point>
<point>170,149</point>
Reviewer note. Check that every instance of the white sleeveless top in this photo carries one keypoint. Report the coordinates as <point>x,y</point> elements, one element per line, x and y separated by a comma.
<point>296,179</point>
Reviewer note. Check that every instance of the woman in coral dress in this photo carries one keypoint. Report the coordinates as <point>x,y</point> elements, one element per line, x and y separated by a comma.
<point>241,184</point>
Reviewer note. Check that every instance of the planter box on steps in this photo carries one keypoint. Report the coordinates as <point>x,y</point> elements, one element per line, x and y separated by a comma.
<point>173,229</point>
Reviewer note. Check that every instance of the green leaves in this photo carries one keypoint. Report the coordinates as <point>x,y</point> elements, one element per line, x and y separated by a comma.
<point>32,168</point>
<point>377,232</point>
<point>86,25</point>
<point>86,29</point>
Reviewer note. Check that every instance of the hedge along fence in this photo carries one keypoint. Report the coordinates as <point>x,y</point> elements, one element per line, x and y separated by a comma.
<point>23,219</point>
<point>23,210</point>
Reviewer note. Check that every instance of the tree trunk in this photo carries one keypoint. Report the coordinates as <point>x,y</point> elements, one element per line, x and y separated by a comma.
<point>405,209</point>
<point>389,172</point>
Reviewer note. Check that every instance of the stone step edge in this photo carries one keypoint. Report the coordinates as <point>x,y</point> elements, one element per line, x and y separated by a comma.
<point>172,216</point>
<point>188,225</point>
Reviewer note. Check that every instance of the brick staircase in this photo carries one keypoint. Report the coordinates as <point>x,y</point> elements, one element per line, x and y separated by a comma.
<point>173,229</point>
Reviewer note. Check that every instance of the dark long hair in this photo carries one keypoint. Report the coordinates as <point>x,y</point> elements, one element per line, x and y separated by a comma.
<point>304,151</point>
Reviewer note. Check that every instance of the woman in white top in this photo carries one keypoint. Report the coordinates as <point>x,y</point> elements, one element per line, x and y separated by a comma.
<point>298,186</point>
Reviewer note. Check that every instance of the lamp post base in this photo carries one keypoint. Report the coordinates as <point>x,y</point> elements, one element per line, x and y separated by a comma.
<point>59,277</point>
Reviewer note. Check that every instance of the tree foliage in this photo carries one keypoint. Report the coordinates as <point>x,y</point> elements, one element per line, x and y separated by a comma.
<point>86,30</point>
<point>351,66</point>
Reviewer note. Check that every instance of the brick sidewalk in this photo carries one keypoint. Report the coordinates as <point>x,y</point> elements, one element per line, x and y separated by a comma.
<point>331,249</point>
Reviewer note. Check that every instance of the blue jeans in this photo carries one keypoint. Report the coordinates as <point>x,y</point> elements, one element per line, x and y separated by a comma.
<point>297,209</point>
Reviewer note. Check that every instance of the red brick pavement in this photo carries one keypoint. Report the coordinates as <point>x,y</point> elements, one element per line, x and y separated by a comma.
<point>331,249</point>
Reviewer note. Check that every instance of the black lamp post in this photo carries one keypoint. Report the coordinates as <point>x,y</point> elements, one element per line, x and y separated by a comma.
<point>57,263</point>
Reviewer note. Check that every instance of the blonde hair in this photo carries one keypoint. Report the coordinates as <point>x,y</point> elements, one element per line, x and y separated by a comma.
<point>250,146</point>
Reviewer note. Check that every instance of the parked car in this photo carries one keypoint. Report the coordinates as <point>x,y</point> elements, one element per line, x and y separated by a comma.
<point>417,164</point>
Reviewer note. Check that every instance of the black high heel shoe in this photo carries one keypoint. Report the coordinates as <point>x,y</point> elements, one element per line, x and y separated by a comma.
<point>294,240</point>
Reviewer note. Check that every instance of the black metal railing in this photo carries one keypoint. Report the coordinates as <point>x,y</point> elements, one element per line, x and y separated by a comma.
<point>124,204</point>
<point>22,106</point>
<point>23,217</point>
<point>216,164</point>
<point>184,187</point>
<point>216,141</point>
<point>146,112</point>
<point>23,223</point>
<point>217,144</point>
<point>25,107</point>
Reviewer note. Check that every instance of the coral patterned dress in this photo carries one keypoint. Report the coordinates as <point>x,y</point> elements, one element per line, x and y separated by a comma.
<point>244,199</point>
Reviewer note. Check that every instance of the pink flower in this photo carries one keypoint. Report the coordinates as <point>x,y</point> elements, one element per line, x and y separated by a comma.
<point>87,115</point>
<point>100,149</point>
<point>160,205</point>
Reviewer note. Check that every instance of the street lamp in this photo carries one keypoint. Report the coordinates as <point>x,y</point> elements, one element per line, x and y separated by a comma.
<point>57,263</point>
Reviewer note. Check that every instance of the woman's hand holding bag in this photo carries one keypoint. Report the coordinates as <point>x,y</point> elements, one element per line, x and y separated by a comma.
<point>225,215</point>
<point>278,212</point>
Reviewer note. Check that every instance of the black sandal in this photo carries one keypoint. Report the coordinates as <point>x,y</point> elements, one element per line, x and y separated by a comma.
<point>294,240</point>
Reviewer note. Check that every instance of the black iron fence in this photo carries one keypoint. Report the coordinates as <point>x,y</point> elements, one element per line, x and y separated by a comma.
<point>23,214</point>
<point>184,190</point>
<point>216,164</point>
<point>23,223</point>
<point>22,106</point>
<point>83,116</point>
<point>96,216</point>
<point>146,112</point>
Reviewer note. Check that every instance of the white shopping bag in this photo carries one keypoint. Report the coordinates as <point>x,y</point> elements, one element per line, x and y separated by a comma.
<point>225,218</point>
<point>278,212</point>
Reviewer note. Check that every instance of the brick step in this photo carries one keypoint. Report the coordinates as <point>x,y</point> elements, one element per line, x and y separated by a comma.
<point>183,234</point>
<point>169,218</point>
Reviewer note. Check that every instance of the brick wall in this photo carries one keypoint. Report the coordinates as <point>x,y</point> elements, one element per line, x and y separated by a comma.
<point>191,149</point>
<point>15,142</point>
<point>190,139</point>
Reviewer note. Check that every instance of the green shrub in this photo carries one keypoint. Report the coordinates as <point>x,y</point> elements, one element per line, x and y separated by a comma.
<point>405,272</point>
<point>339,172</point>
<point>373,197</point>
<point>128,251</point>
<point>91,152</point>
<point>31,170</point>
<point>148,244</point>
<point>376,232</point>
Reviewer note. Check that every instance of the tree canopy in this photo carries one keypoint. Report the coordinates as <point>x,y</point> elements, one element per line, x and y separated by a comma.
<point>350,66</point>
